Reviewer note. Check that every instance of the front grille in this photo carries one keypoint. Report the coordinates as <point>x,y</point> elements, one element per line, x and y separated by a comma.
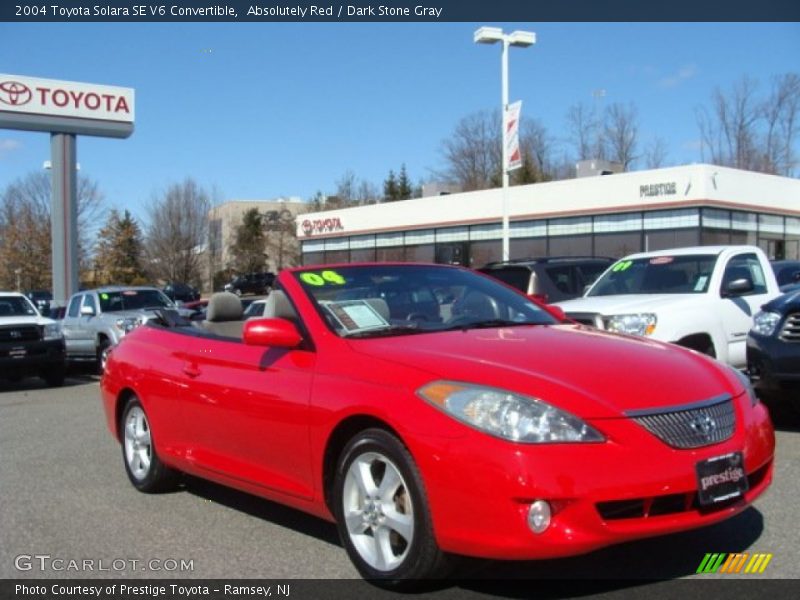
<point>20,333</point>
<point>695,426</point>
<point>790,332</point>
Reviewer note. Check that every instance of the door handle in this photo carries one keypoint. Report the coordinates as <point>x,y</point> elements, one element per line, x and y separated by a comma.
<point>191,371</point>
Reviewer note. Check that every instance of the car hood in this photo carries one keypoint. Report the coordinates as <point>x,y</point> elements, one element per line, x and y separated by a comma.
<point>625,303</point>
<point>590,373</point>
<point>26,320</point>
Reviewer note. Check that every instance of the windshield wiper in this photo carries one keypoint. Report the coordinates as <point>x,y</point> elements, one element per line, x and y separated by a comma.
<point>487,324</point>
<point>387,331</point>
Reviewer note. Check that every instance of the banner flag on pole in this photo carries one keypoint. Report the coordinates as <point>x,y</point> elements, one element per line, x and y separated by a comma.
<point>511,124</point>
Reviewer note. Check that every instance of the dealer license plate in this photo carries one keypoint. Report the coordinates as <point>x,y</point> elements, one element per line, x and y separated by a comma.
<point>17,353</point>
<point>721,478</point>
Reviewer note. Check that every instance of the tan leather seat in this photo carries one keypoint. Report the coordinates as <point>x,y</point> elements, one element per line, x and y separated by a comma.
<point>224,315</point>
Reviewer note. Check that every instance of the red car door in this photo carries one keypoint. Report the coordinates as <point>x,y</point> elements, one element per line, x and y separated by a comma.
<point>246,410</point>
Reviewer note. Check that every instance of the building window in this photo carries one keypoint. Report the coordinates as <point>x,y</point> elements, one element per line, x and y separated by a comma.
<point>390,254</point>
<point>571,226</point>
<point>574,245</point>
<point>362,255</point>
<point>337,256</point>
<point>316,246</point>
<point>716,219</point>
<point>617,245</point>
<point>528,248</point>
<point>422,253</point>
<point>313,258</point>
<point>528,229</point>
<point>664,240</point>
<point>420,236</point>
<point>770,224</point>
<point>383,240</point>
<point>337,244</point>
<point>614,223</point>
<point>452,234</point>
<point>490,231</point>
<point>671,219</point>
<point>362,241</point>
<point>481,253</point>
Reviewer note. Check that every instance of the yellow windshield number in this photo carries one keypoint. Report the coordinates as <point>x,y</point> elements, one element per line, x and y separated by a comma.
<point>322,278</point>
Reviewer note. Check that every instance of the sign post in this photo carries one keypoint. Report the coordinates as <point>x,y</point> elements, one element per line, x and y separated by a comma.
<point>66,109</point>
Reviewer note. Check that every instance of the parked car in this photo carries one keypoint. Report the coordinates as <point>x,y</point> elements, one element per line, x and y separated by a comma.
<point>703,298</point>
<point>96,320</point>
<point>182,292</point>
<point>549,279</point>
<point>773,347</point>
<point>41,299</point>
<point>255,309</point>
<point>251,283</point>
<point>30,344</point>
<point>787,272</point>
<point>479,434</point>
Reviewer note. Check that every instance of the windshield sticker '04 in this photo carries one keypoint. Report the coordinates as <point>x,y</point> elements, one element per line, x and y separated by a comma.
<point>622,266</point>
<point>322,278</point>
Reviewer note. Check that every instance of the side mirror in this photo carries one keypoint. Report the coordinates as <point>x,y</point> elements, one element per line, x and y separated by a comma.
<point>556,312</point>
<point>739,287</point>
<point>87,311</point>
<point>277,333</point>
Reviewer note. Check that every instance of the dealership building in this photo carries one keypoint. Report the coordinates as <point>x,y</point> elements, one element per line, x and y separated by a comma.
<point>603,215</point>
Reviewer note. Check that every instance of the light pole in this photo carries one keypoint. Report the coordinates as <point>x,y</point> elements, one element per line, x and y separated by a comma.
<point>522,39</point>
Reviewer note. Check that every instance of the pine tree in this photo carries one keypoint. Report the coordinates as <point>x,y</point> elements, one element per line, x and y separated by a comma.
<point>249,243</point>
<point>390,190</point>
<point>404,190</point>
<point>119,251</point>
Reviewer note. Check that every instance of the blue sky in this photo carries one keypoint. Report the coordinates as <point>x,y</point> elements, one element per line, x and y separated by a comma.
<point>261,110</point>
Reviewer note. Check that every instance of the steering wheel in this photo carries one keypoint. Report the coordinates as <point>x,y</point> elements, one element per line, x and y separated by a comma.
<point>417,317</point>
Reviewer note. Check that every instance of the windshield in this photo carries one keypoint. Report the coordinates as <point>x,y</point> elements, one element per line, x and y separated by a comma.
<point>133,300</point>
<point>16,306</point>
<point>688,274</point>
<point>382,300</point>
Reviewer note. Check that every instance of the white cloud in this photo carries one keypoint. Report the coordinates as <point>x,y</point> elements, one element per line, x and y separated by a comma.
<point>7,146</point>
<point>684,73</point>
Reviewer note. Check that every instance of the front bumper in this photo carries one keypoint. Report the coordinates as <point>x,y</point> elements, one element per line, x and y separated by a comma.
<point>31,357</point>
<point>631,486</point>
<point>772,362</point>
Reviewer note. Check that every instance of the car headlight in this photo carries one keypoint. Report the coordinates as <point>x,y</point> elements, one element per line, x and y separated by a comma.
<point>508,415</point>
<point>52,332</point>
<point>765,322</point>
<point>638,324</point>
<point>747,384</point>
<point>127,324</point>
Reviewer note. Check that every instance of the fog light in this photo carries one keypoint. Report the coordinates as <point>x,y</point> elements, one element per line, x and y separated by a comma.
<point>539,516</point>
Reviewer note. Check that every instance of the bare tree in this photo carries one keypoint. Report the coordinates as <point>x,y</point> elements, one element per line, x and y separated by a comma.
<point>743,131</point>
<point>472,153</point>
<point>729,132</point>
<point>282,246</point>
<point>620,134</point>
<point>584,132</point>
<point>177,232</point>
<point>655,153</point>
<point>25,229</point>
<point>537,146</point>
<point>782,122</point>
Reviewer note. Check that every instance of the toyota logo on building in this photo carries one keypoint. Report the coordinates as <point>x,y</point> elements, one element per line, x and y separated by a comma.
<point>14,93</point>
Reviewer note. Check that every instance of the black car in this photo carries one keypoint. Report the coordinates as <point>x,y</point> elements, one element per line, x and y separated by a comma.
<point>550,279</point>
<point>42,300</point>
<point>251,283</point>
<point>773,347</point>
<point>787,272</point>
<point>181,291</point>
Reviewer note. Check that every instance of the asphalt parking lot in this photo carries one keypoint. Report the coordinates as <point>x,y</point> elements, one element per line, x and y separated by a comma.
<point>64,494</point>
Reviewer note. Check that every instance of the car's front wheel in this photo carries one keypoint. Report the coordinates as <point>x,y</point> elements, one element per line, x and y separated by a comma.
<point>103,350</point>
<point>142,464</point>
<point>382,513</point>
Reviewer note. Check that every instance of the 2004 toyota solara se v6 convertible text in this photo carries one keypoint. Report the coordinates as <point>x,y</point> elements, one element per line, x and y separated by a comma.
<point>432,411</point>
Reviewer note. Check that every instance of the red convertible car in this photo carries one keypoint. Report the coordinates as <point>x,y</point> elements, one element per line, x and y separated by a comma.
<point>431,411</point>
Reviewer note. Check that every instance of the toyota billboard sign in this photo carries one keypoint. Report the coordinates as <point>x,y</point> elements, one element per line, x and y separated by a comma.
<point>67,106</point>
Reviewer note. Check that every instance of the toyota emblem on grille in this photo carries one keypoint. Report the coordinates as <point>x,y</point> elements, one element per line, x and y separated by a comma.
<point>15,93</point>
<point>16,334</point>
<point>703,424</point>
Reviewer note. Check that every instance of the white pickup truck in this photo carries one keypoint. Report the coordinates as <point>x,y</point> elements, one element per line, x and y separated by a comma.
<point>703,298</point>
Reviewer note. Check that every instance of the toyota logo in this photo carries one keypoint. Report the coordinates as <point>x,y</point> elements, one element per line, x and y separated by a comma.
<point>16,334</point>
<point>15,93</point>
<point>308,227</point>
<point>703,424</point>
